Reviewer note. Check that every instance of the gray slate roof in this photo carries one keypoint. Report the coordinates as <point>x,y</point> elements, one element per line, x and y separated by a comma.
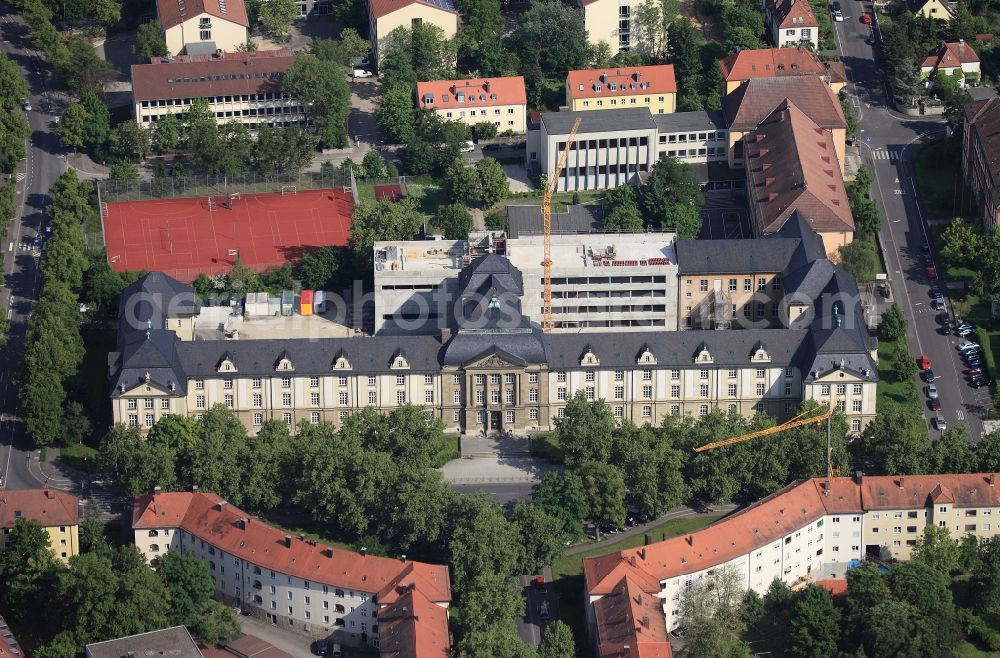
<point>174,642</point>
<point>527,220</point>
<point>729,256</point>
<point>689,121</point>
<point>600,121</point>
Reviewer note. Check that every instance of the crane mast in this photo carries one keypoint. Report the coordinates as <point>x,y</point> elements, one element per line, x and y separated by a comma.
<point>550,188</point>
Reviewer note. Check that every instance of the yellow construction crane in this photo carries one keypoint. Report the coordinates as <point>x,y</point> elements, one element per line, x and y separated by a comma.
<point>807,417</point>
<point>550,187</point>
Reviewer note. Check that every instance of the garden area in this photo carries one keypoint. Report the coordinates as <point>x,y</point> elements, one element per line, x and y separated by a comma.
<point>942,190</point>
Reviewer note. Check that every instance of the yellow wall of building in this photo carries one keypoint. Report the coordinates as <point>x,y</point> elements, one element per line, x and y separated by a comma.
<point>601,20</point>
<point>474,115</point>
<point>833,241</point>
<point>651,100</point>
<point>226,34</point>
<point>935,9</point>
<point>57,535</point>
<point>403,17</point>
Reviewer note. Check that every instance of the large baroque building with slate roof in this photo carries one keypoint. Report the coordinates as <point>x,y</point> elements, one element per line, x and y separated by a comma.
<point>491,368</point>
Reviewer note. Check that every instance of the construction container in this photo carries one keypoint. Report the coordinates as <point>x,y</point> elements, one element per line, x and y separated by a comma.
<point>287,302</point>
<point>255,305</point>
<point>319,301</point>
<point>306,303</point>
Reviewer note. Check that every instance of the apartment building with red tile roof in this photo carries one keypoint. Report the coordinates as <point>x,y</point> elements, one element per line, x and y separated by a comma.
<point>810,531</point>
<point>745,65</point>
<point>500,101</point>
<point>792,166</point>
<point>346,590</point>
<point>56,511</point>
<point>203,26</point>
<point>791,22</point>
<point>629,622</point>
<point>412,626</point>
<point>626,86</point>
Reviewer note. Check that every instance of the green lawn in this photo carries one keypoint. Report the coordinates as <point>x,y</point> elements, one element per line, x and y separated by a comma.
<point>888,388</point>
<point>567,573</point>
<point>81,457</point>
<point>545,444</point>
<point>968,650</point>
<point>559,199</point>
<point>939,180</point>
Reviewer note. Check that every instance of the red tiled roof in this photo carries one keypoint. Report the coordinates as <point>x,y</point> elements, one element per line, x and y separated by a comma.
<point>836,586</point>
<point>245,646</point>
<point>782,513</point>
<point>778,62</point>
<point>791,13</point>
<point>628,81</point>
<point>792,166</point>
<point>950,55</point>
<point>380,8</point>
<point>50,507</point>
<point>754,100</point>
<point>199,76</point>
<point>413,626</point>
<point>478,92</point>
<point>630,623</point>
<point>174,12</point>
<point>208,517</point>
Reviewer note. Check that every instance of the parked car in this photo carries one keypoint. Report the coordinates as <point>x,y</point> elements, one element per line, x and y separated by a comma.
<point>931,272</point>
<point>320,648</point>
<point>928,376</point>
<point>966,344</point>
<point>973,371</point>
<point>928,259</point>
<point>942,318</point>
<point>362,73</point>
<point>974,363</point>
<point>26,106</point>
<point>940,423</point>
<point>934,405</point>
<point>539,583</point>
<point>468,147</point>
<point>838,15</point>
<point>936,293</point>
<point>924,362</point>
<point>866,18</point>
<point>965,332</point>
<point>979,383</point>
<point>932,392</point>
<point>926,248</point>
<point>937,304</point>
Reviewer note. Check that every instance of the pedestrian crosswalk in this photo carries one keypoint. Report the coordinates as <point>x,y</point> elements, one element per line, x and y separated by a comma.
<point>20,177</point>
<point>886,154</point>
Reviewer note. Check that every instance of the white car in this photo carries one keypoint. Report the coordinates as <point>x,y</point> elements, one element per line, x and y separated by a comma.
<point>967,345</point>
<point>362,73</point>
<point>27,106</point>
<point>838,16</point>
<point>468,147</point>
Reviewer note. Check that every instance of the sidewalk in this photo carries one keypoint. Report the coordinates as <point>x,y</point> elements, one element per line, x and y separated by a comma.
<point>86,168</point>
<point>677,513</point>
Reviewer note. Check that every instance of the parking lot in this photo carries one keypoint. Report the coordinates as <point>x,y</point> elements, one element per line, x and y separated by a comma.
<point>724,216</point>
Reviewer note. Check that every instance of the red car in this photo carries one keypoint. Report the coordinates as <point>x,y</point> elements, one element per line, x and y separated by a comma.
<point>924,362</point>
<point>931,271</point>
<point>866,18</point>
<point>935,405</point>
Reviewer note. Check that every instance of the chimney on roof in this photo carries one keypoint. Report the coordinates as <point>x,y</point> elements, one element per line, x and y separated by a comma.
<point>645,621</point>
<point>402,558</point>
<point>604,77</point>
<point>859,477</point>
<point>992,479</point>
<point>302,537</point>
<point>690,540</point>
<point>901,482</point>
<point>288,541</point>
<point>49,494</point>
<point>364,551</point>
<point>648,539</point>
<point>221,504</point>
<point>642,553</point>
<point>156,490</point>
<point>194,488</point>
<point>486,85</point>
<point>638,76</point>
<point>411,586</point>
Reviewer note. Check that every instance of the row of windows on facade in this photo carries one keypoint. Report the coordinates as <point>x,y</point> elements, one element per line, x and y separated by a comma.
<point>711,152</point>
<point>482,113</point>
<point>748,311</point>
<point>263,112</point>
<point>703,284</point>
<point>214,100</point>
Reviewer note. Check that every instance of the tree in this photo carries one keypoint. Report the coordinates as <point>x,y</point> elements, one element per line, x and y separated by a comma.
<point>383,220</point>
<point>710,612</point>
<point>373,165</point>
<point>541,536</point>
<point>557,641</point>
<point>492,597</point>
<point>395,113</point>
<point>624,218</point>
<point>897,439</point>
<point>216,460</point>
<point>962,243</point>
<point>318,269</point>
<point>605,492</point>
<point>815,623</point>
<point>421,502</point>
<point>13,131</point>
<point>276,17</point>
<point>149,41</point>
<point>322,89</point>
<point>485,130</point>
<point>82,71</point>
<point>418,157</point>
<point>585,432</point>
<point>63,645</point>
<point>124,171</point>
<point>895,628</point>
<point>936,549</point>
<point>952,453</point>
<point>179,433</point>
<point>492,182</point>
<point>460,184</point>
<point>267,453</point>
<point>866,590</point>
<point>921,585</point>
<point>166,133</point>
<point>479,38</point>
<point>482,541</point>
<point>98,129</point>
<point>988,453</point>
<point>538,51</point>
<point>454,221</point>
<point>985,578</point>
<point>671,197</point>
<point>861,260</point>
<point>286,149</point>
<point>561,494</point>
<point>13,88</point>
<point>344,50</point>
<point>892,326</point>
<point>73,124</point>
<point>27,568</point>
<point>683,46</point>
<point>497,640</point>
<point>190,585</point>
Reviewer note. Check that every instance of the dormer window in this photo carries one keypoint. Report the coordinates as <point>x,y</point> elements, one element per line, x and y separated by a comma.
<point>460,97</point>
<point>597,87</point>
<point>612,87</point>
<point>444,98</point>
<point>428,99</point>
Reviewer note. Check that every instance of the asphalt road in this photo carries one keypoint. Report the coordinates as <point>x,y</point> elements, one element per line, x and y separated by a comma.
<point>885,139</point>
<point>20,266</point>
<point>503,492</point>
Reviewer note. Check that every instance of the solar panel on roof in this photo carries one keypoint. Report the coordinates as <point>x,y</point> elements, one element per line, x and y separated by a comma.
<point>443,4</point>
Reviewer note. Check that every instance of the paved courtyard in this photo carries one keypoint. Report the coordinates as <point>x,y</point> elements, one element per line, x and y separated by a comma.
<point>724,216</point>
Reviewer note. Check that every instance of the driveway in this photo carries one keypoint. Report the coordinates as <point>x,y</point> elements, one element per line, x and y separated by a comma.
<point>486,470</point>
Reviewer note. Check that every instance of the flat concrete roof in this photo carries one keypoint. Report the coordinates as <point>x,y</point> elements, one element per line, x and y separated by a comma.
<point>295,326</point>
<point>580,251</point>
<point>175,642</point>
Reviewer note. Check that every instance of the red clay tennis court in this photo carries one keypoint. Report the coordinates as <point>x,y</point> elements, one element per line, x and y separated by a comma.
<point>185,237</point>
